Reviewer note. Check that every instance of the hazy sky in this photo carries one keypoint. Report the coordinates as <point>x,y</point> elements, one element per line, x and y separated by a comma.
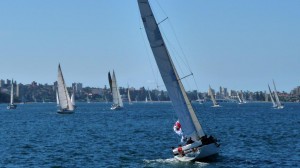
<point>235,44</point>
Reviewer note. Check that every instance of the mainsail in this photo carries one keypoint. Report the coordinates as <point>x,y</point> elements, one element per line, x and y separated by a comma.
<point>128,95</point>
<point>114,89</point>
<point>12,93</point>
<point>238,95</point>
<point>271,95</point>
<point>212,96</point>
<point>63,95</point>
<point>181,104</point>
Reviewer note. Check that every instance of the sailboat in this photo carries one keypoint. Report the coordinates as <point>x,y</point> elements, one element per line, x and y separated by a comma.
<point>215,104</point>
<point>271,96</point>
<point>242,97</point>
<point>201,148</point>
<point>278,104</point>
<point>128,95</point>
<point>88,99</point>
<point>238,96</point>
<point>146,99</point>
<point>117,100</point>
<point>198,99</point>
<point>150,99</point>
<point>11,105</point>
<point>65,104</point>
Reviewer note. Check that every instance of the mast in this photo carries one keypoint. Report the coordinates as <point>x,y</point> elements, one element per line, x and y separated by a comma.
<point>181,104</point>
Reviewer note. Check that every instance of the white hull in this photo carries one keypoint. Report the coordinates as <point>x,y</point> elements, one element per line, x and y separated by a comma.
<point>216,106</point>
<point>279,107</point>
<point>200,153</point>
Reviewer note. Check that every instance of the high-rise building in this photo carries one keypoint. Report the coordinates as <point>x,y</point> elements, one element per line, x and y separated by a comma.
<point>2,83</point>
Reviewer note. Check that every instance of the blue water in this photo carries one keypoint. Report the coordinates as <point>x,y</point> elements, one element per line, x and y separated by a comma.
<point>141,135</point>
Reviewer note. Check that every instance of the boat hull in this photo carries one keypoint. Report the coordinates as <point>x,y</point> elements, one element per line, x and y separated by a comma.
<point>65,111</point>
<point>203,153</point>
<point>11,106</point>
<point>116,107</point>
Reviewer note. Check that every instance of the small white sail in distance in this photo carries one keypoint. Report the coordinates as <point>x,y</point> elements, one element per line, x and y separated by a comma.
<point>63,95</point>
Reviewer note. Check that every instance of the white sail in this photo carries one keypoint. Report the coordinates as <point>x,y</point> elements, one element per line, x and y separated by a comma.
<point>12,93</point>
<point>150,99</point>
<point>276,97</point>
<point>128,95</point>
<point>182,105</point>
<point>238,95</point>
<point>57,99</point>
<point>212,97</point>
<point>271,95</point>
<point>63,95</point>
<point>146,99</point>
<point>117,100</point>
<point>73,99</point>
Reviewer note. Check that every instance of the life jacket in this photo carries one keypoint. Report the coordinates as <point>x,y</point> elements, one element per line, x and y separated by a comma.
<point>177,125</point>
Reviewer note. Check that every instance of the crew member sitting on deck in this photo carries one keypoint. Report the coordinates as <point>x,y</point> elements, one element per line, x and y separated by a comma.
<point>189,141</point>
<point>180,151</point>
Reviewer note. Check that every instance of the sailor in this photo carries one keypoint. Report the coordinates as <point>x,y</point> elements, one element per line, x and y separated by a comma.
<point>177,128</point>
<point>189,141</point>
<point>180,151</point>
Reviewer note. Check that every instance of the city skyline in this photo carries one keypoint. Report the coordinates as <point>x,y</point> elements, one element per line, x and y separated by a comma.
<point>240,45</point>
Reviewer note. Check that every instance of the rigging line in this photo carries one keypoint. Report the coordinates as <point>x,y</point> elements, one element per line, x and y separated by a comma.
<point>185,61</point>
<point>174,51</point>
<point>148,55</point>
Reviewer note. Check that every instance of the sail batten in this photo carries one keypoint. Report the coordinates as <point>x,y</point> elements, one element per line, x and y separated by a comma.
<point>181,104</point>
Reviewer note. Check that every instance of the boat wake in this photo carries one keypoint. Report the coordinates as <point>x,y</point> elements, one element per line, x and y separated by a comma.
<point>172,161</point>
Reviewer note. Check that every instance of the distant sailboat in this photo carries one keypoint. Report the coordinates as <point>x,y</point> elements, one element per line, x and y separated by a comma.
<point>128,96</point>
<point>278,104</point>
<point>242,97</point>
<point>215,104</point>
<point>146,99</point>
<point>271,96</point>
<point>117,100</point>
<point>201,147</point>
<point>88,99</point>
<point>11,105</point>
<point>65,104</point>
<point>238,96</point>
<point>198,98</point>
<point>150,99</point>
